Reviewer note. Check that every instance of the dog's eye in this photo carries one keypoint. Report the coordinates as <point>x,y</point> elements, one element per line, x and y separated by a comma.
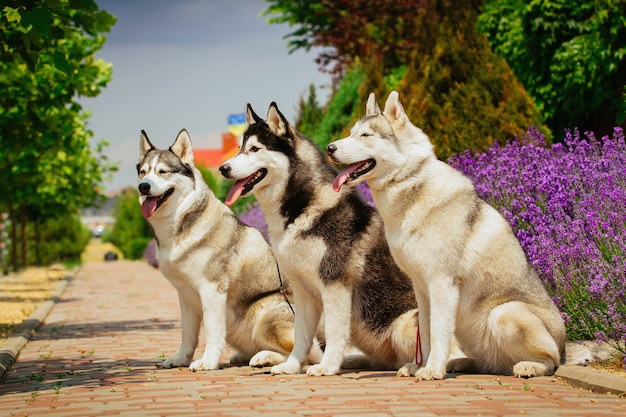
<point>254,149</point>
<point>163,171</point>
<point>365,134</point>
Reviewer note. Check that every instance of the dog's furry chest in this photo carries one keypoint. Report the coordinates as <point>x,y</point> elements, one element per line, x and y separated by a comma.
<point>299,258</point>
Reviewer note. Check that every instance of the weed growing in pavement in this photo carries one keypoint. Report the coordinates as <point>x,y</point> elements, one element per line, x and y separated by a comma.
<point>36,377</point>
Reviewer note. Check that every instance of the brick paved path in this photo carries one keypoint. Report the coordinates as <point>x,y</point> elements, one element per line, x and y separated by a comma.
<point>98,351</point>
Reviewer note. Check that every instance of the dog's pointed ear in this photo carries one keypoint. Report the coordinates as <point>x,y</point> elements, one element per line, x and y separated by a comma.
<point>145,145</point>
<point>371,107</point>
<point>182,147</point>
<point>394,111</point>
<point>251,116</point>
<point>276,121</point>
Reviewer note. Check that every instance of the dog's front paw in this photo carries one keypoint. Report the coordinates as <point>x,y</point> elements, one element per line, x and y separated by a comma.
<point>527,369</point>
<point>286,368</point>
<point>175,362</point>
<point>319,370</point>
<point>408,369</point>
<point>428,374</point>
<point>203,365</point>
<point>266,358</point>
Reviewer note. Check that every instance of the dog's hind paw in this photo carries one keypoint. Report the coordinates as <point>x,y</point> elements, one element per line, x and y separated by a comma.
<point>266,358</point>
<point>527,369</point>
<point>462,365</point>
<point>239,358</point>
<point>408,369</point>
<point>203,365</point>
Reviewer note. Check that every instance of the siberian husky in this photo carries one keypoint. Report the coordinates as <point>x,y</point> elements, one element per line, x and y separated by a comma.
<point>332,248</point>
<point>470,274</point>
<point>224,271</point>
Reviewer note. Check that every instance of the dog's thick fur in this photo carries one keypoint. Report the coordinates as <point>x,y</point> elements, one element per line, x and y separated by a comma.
<point>224,271</point>
<point>331,246</point>
<point>470,274</point>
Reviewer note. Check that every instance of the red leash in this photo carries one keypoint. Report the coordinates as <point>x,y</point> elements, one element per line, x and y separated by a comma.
<point>418,348</point>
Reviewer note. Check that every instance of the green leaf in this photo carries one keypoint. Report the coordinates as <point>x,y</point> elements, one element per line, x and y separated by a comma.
<point>12,15</point>
<point>60,62</point>
<point>40,18</point>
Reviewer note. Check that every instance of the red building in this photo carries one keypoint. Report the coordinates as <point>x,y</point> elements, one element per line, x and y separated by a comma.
<point>213,158</point>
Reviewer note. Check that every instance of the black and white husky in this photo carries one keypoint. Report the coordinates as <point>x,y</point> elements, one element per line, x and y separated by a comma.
<point>330,245</point>
<point>224,271</point>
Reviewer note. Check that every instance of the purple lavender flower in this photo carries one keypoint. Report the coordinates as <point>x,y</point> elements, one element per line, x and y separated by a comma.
<point>253,216</point>
<point>567,205</point>
<point>149,254</point>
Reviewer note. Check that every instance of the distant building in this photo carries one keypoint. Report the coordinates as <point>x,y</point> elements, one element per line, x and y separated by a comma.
<point>213,158</point>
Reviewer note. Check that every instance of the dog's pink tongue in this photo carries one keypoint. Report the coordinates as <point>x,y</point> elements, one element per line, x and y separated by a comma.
<point>343,176</point>
<point>148,206</point>
<point>235,191</point>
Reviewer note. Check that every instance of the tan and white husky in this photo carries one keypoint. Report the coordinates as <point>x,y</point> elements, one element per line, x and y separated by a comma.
<point>224,271</point>
<point>470,274</point>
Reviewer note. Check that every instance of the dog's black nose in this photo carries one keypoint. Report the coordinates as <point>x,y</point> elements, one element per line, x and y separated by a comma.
<point>144,188</point>
<point>330,149</point>
<point>225,169</point>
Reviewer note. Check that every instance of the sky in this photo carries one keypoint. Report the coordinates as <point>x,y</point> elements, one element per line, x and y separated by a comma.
<point>189,64</point>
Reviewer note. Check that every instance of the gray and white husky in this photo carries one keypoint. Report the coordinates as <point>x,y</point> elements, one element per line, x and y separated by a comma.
<point>224,271</point>
<point>331,247</point>
<point>470,274</point>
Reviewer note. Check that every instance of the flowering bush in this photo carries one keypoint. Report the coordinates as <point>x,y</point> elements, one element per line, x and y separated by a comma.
<point>567,205</point>
<point>149,254</point>
<point>253,216</point>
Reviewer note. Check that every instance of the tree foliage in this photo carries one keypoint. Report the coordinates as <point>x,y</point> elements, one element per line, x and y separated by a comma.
<point>451,84</point>
<point>32,30</point>
<point>310,113</point>
<point>569,54</point>
<point>348,29</point>
<point>457,90</point>
<point>46,162</point>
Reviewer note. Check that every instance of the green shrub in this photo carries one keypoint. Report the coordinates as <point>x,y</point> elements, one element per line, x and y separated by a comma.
<point>340,111</point>
<point>131,232</point>
<point>310,113</point>
<point>63,239</point>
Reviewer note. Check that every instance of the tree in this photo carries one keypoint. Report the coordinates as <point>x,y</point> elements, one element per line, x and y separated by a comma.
<point>47,51</point>
<point>310,113</point>
<point>451,84</point>
<point>569,54</point>
<point>456,89</point>
<point>349,29</point>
